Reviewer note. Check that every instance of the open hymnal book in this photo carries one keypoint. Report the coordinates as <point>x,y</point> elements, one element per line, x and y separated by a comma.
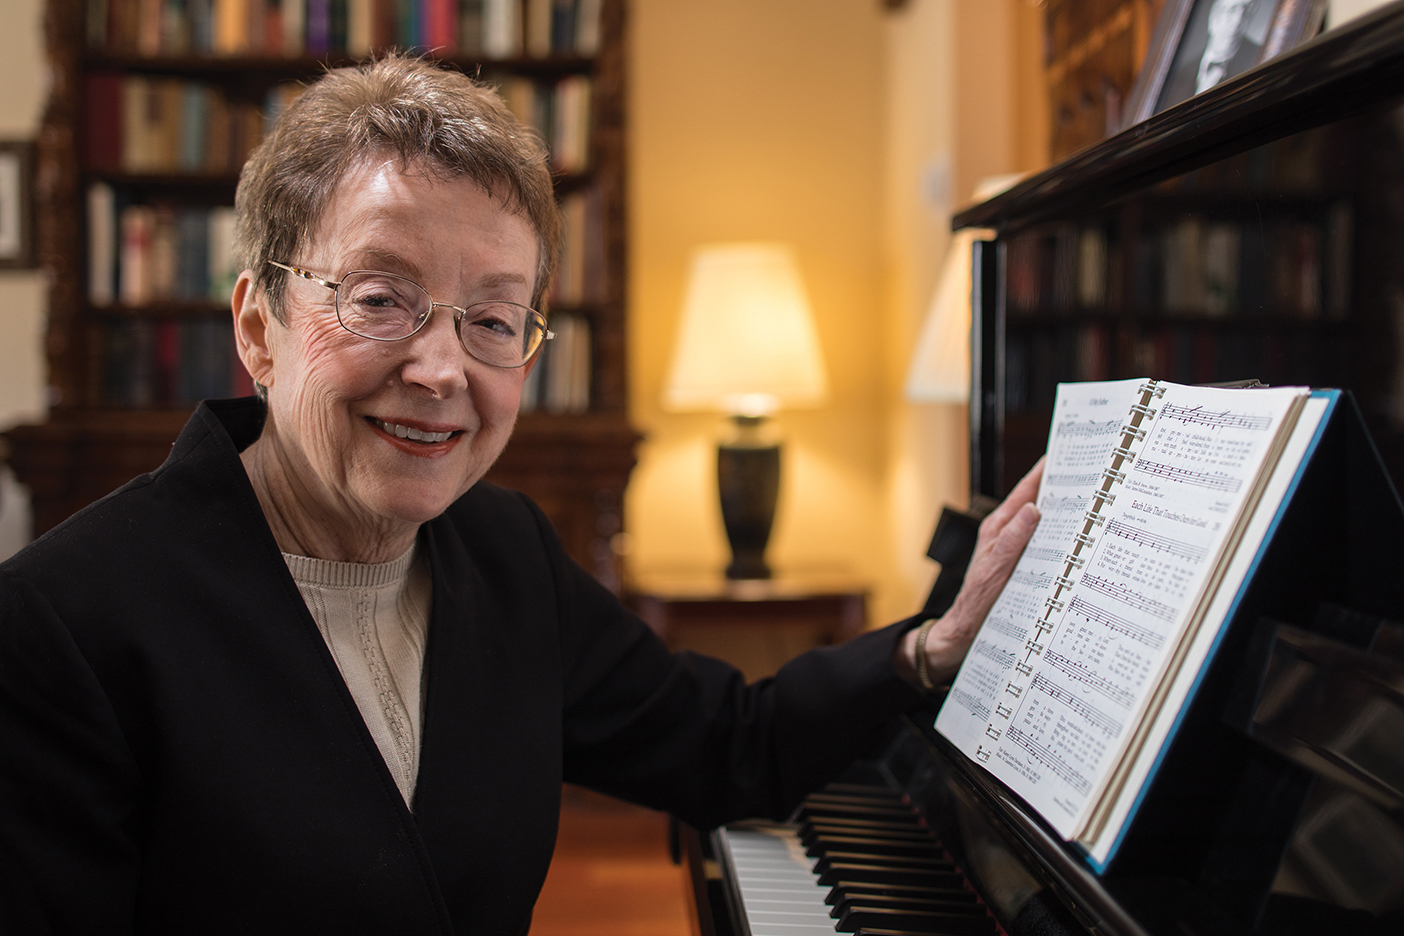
<point>1155,501</point>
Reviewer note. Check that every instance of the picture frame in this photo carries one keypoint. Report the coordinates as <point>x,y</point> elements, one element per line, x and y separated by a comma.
<point>17,249</point>
<point>1190,51</point>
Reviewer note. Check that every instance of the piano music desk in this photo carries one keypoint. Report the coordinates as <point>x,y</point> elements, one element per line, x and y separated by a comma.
<point>754,624</point>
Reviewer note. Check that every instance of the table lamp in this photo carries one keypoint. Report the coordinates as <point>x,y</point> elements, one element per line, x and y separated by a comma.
<point>746,346</point>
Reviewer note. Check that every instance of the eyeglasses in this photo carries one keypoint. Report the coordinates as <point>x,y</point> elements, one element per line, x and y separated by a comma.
<point>386,307</point>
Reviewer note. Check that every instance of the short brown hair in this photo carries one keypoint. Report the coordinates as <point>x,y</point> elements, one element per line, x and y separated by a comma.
<point>426,115</point>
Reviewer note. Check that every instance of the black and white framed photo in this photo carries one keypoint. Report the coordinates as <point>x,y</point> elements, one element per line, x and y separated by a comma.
<point>1198,44</point>
<point>16,204</point>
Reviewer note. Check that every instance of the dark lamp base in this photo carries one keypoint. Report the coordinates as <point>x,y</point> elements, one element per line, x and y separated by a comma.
<point>748,479</point>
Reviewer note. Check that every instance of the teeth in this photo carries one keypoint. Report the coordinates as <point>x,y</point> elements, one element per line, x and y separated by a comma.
<point>409,432</point>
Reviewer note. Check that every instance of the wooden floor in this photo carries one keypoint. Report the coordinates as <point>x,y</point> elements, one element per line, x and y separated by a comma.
<point>611,874</point>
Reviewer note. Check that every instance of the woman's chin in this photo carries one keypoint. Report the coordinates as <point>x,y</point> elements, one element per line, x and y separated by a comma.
<point>404,507</point>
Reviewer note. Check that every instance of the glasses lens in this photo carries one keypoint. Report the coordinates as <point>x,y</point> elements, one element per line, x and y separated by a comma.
<point>503,334</point>
<point>381,305</point>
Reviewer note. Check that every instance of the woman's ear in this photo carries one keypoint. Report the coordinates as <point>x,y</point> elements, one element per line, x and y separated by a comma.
<point>251,329</point>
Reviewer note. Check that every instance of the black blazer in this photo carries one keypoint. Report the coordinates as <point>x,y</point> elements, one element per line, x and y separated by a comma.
<point>178,752</point>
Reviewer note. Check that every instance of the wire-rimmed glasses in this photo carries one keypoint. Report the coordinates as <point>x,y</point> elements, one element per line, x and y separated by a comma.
<point>387,307</point>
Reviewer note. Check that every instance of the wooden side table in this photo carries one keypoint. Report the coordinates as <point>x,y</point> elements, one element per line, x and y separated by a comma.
<point>754,624</point>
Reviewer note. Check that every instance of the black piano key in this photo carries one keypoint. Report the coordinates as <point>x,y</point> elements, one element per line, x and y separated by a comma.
<point>840,874</point>
<point>910,823</point>
<point>857,802</point>
<point>884,861</point>
<point>915,921</point>
<point>822,843</point>
<point>809,833</point>
<point>810,812</point>
<point>876,796</point>
<point>844,889</point>
<point>953,902</point>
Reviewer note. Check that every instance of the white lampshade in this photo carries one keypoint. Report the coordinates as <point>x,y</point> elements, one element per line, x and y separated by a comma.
<point>746,343</point>
<point>940,368</point>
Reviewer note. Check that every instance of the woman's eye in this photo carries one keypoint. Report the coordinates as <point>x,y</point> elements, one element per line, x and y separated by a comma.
<point>495,323</point>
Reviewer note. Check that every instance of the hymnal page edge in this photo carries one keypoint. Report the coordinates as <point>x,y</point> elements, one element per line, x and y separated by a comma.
<point>1144,717</point>
<point>1300,449</point>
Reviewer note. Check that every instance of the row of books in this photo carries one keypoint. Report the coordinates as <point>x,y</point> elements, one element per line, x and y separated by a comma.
<point>137,124</point>
<point>166,362</point>
<point>1192,267</point>
<point>1038,359</point>
<point>560,382</point>
<point>496,29</point>
<point>139,254</point>
<point>559,111</point>
<point>580,274</point>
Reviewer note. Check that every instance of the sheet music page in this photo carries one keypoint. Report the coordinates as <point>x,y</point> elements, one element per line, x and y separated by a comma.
<point>1085,634</point>
<point>1087,417</point>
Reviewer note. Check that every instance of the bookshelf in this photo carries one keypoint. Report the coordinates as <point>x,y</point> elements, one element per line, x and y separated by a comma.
<point>1245,233</point>
<point>1092,52</point>
<point>146,126</point>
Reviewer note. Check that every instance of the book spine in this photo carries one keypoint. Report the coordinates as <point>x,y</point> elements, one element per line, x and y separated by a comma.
<point>359,27</point>
<point>502,32</point>
<point>318,41</point>
<point>338,13</point>
<point>101,243</point>
<point>1133,432</point>
<point>470,27</point>
<point>587,28</point>
<point>294,27</point>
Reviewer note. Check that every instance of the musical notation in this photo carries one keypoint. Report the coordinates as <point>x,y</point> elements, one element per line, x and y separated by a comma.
<point>1121,695</point>
<point>1130,598</point>
<point>1094,715</point>
<point>1045,553</point>
<point>1117,623</point>
<point>1002,625</point>
<point>1067,479</point>
<point>972,703</point>
<point>1001,658</point>
<point>1214,420</point>
<point>1212,482</point>
<point>1088,429</point>
<point>1157,541</point>
<point>1045,756</point>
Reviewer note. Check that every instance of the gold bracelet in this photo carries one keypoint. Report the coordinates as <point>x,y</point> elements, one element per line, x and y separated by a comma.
<point>923,676</point>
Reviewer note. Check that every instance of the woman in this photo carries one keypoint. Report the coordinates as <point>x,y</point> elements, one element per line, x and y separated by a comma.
<point>309,675</point>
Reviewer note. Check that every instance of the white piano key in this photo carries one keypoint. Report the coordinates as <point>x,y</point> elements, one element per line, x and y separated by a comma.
<point>780,894</point>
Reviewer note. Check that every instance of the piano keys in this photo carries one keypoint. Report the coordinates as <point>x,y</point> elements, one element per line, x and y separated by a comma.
<point>857,860</point>
<point>921,841</point>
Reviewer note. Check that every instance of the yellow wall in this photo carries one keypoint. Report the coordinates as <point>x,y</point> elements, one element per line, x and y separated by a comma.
<point>760,121</point>
<point>852,133</point>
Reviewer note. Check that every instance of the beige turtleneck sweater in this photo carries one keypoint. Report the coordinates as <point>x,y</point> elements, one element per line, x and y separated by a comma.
<point>375,620</point>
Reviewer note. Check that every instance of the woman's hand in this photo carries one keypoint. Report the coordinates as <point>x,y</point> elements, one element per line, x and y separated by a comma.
<point>1003,535</point>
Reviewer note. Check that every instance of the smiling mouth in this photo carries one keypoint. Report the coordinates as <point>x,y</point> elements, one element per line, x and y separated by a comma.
<point>410,433</point>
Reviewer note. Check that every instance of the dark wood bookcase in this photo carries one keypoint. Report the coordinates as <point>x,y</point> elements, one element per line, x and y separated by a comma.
<point>574,464</point>
<point>1252,231</point>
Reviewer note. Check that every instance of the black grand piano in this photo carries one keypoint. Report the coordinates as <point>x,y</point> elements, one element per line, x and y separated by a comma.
<point>1256,230</point>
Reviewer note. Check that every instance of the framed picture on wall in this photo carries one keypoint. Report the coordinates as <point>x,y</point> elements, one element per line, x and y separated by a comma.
<point>16,204</point>
<point>1198,44</point>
